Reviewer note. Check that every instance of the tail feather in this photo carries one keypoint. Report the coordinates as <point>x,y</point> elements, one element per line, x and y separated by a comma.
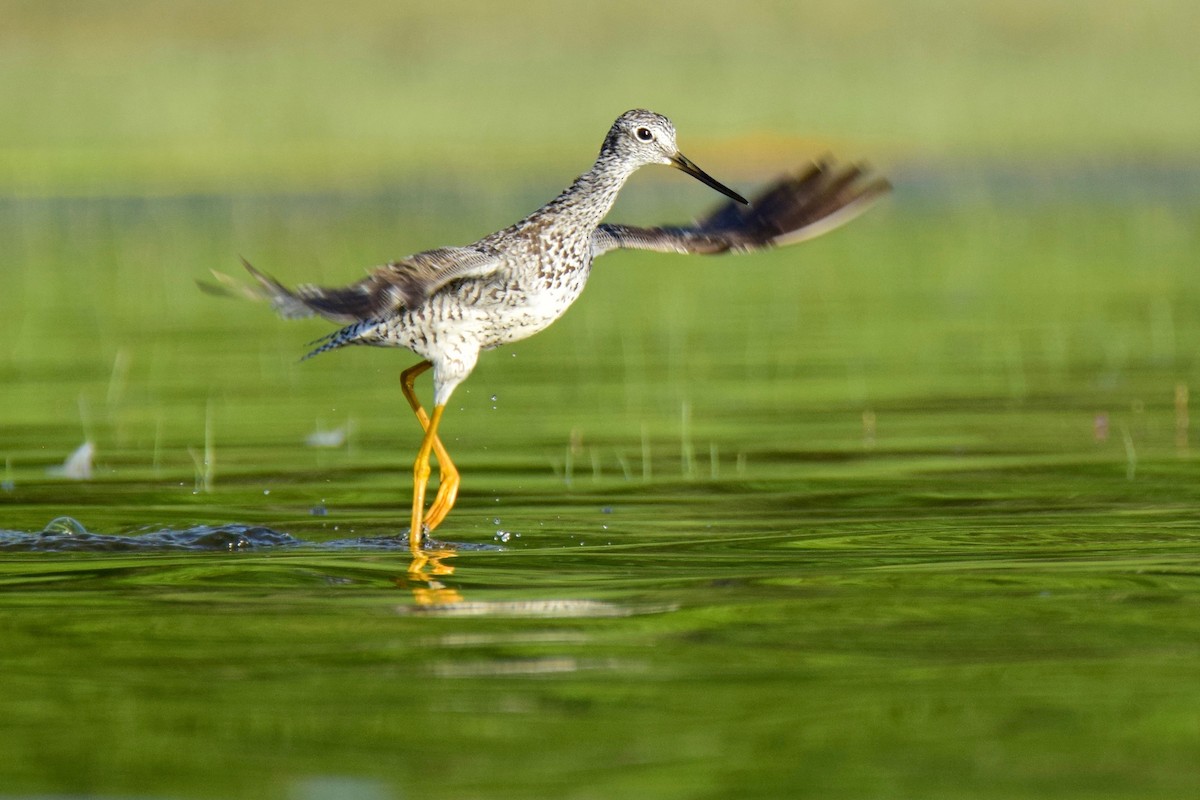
<point>332,342</point>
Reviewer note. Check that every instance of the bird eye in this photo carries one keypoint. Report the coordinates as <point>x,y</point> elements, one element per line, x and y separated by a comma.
<point>644,134</point>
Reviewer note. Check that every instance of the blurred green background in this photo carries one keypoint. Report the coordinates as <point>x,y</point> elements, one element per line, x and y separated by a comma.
<point>216,95</point>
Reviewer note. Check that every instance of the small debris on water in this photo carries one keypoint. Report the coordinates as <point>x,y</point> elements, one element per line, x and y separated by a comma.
<point>78,465</point>
<point>329,438</point>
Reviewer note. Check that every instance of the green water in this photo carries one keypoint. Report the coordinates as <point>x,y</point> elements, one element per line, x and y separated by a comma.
<point>909,511</point>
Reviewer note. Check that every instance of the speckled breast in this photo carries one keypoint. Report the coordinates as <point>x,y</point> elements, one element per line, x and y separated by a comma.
<point>545,278</point>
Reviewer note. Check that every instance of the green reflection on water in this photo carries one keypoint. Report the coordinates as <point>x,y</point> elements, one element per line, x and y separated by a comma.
<point>909,511</point>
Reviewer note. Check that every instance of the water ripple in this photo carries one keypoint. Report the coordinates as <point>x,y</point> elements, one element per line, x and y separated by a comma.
<point>66,534</point>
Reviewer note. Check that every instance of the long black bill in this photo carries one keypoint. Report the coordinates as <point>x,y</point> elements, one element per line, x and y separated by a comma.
<point>685,165</point>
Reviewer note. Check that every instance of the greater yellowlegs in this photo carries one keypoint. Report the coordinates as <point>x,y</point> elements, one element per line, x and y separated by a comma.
<point>449,304</point>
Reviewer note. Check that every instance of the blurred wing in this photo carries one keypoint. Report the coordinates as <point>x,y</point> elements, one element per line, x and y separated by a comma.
<point>793,209</point>
<point>401,284</point>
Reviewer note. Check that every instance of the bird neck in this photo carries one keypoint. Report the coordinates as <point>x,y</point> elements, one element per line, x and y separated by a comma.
<point>591,196</point>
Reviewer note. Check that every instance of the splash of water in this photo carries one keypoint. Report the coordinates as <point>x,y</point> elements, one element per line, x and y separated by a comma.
<point>66,534</point>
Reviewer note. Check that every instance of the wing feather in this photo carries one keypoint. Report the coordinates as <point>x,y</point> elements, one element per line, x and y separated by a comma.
<point>406,283</point>
<point>792,209</point>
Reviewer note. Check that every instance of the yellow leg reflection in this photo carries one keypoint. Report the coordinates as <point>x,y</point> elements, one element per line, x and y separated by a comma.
<point>427,591</point>
<point>448,477</point>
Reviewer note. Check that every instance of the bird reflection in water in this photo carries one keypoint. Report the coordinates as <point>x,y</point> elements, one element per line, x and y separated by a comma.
<point>423,575</point>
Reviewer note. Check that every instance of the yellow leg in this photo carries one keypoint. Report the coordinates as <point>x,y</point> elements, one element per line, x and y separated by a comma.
<point>448,476</point>
<point>421,480</point>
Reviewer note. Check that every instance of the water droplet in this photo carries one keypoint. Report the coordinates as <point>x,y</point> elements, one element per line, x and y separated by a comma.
<point>495,520</point>
<point>67,526</point>
<point>266,491</point>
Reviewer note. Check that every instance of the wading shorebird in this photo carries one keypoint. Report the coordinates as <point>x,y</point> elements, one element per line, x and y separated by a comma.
<point>448,305</point>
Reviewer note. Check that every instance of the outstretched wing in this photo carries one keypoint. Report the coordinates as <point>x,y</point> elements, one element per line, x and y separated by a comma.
<point>793,209</point>
<point>406,283</point>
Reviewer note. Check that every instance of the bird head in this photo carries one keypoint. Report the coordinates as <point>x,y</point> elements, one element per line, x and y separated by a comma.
<point>642,137</point>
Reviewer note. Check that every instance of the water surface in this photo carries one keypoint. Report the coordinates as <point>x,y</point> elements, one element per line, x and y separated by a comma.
<point>907,512</point>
